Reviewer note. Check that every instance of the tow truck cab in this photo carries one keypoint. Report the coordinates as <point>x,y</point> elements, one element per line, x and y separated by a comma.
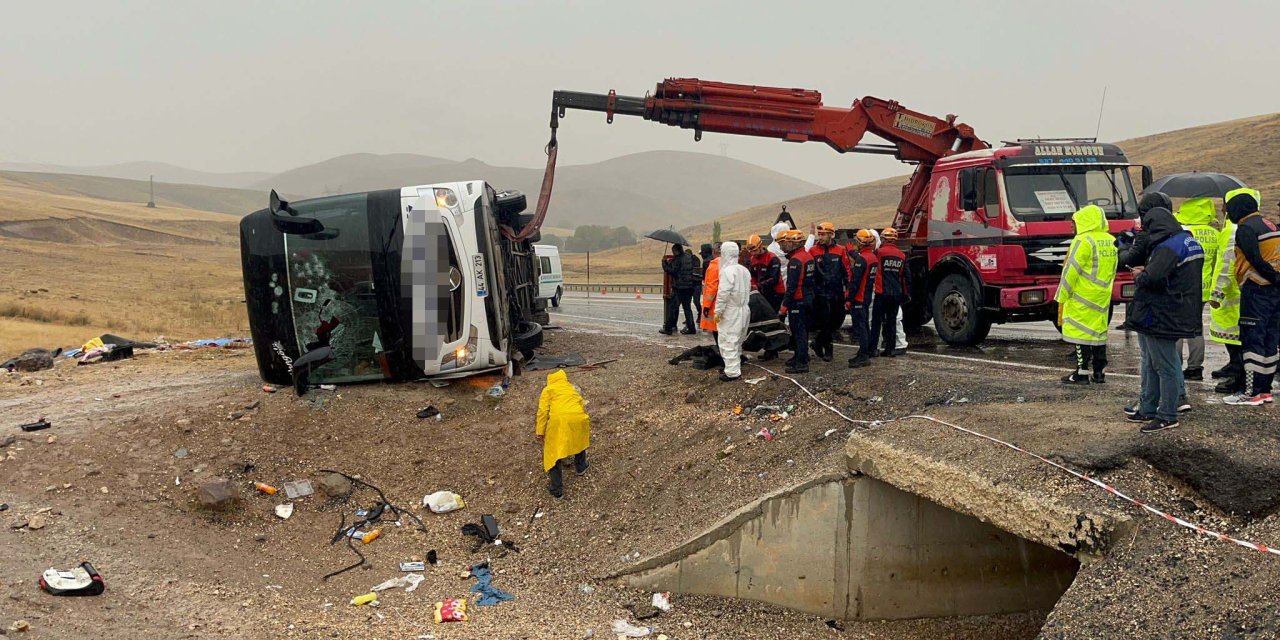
<point>397,284</point>
<point>994,235</point>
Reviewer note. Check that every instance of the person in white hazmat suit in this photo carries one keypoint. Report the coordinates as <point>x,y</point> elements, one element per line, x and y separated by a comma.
<point>732,313</point>
<point>776,249</point>
<point>900,344</point>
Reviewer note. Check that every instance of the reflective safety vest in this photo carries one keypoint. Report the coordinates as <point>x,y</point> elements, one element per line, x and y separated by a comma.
<point>1224,319</point>
<point>1197,216</point>
<point>1084,291</point>
<point>710,285</point>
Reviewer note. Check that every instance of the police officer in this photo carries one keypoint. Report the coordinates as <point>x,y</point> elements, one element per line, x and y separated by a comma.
<point>1197,216</point>
<point>1257,269</point>
<point>892,284</point>
<point>1084,294</point>
<point>831,267</point>
<point>863,267</point>
<point>797,301</point>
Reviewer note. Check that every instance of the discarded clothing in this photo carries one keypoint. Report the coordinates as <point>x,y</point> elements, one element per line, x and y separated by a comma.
<point>543,361</point>
<point>488,594</point>
<point>219,342</point>
<point>703,357</point>
<point>32,360</point>
<point>409,582</point>
<point>106,353</point>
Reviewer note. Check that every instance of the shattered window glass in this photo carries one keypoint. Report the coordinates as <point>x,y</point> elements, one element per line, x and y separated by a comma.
<point>331,284</point>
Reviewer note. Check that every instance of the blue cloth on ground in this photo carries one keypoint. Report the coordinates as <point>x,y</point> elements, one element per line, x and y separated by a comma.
<point>488,594</point>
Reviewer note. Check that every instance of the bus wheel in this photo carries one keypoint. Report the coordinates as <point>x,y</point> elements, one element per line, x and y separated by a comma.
<point>528,337</point>
<point>957,312</point>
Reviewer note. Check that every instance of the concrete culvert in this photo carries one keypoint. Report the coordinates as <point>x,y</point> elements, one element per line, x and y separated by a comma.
<point>851,547</point>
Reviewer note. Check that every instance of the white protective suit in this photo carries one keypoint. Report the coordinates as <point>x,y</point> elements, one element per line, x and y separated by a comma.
<point>901,342</point>
<point>732,312</point>
<point>776,249</point>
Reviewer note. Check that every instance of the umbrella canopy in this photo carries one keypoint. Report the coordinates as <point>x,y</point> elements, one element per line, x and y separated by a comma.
<point>668,235</point>
<point>1195,185</point>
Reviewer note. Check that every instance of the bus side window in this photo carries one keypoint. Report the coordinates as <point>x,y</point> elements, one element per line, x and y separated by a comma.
<point>992,192</point>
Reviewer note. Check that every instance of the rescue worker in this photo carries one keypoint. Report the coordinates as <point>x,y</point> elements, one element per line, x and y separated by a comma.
<point>682,268</point>
<point>710,282</point>
<point>1224,304</point>
<point>831,268</point>
<point>1256,263</point>
<point>892,285</point>
<point>766,277</point>
<point>864,266</point>
<point>732,314</point>
<point>1166,307</point>
<point>797,301</point>
<point>563,429</point>
<point>776,232</point>
<point>1197,216</point>
<point>1084,294</point>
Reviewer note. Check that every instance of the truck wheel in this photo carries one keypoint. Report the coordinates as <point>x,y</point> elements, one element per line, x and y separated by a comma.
<point>957,312</point>
<point>555,300</point>
<point>528,337</point>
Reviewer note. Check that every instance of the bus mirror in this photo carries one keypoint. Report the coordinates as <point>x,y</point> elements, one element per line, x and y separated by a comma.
<point>291,224</point>
<point>969,179</point>
<point>1147,177</point>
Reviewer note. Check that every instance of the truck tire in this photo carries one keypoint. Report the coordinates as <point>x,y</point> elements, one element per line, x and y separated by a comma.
<point>555,300</point>
<point>957,312</point>
<point>528,337</point>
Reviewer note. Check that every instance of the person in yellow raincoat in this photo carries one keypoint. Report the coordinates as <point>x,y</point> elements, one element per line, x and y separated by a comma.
<point>564,429</point>
<point>1084,294</point>
<point>1197,215</point>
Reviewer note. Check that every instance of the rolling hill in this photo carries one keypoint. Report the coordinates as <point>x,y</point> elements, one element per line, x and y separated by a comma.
<point>1245,148</point>
<point>163,172</point>
<point>186,196</point>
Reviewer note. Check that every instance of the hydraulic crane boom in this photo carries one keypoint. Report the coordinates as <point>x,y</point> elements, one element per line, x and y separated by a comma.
<point>793,115</point>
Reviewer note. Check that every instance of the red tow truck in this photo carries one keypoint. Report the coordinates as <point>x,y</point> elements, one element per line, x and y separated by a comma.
<point>986,230</point>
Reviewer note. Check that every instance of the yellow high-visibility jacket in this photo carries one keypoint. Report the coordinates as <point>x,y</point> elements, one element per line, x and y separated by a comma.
<point>1224,298</point>
<point>1084,292</point>
<point>1197,215</point>
<point>562,420</point>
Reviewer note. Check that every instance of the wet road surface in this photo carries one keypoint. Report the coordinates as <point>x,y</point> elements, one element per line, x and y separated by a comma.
<point>1033,345</point>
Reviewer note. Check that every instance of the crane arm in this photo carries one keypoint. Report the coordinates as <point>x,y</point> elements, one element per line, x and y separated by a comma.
<point>793,115</point>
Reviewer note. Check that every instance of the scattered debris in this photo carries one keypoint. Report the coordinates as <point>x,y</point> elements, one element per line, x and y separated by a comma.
<point>724,453</point>
<point>38,425</point>
<point>835,625</point>
<point>413,566</point>
<point>7,440</point>
<point>627,630</point>
<point>755,380</point>
<point>181,453</point>
<point>586,588</point>
<point>691,396</point>
<point>266,388</point>
<point>443,502</point>
<point>368,598</point>
<point>430,411</point>
<point>487,594</point>
<point>283,511</point>
<point>496,392</point>
<point>298,489</point>
<point>874,399</point>
<point>453,610</point>
<point>4,506</point>
<point>219,494</point>
<point>83,580</point>
<point>35,522</point>
<point>367,517</point>
<point>265,488</point>
<point>20,626</point>
<point>409,582</point>
<point>439,384</point>
<point>432,558</point>
<point>662,601</point>
<point>827,434</point>
<point>765,433</point>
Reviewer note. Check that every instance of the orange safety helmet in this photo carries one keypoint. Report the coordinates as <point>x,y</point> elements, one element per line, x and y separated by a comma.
<point>792,235</point>
<point>866,238</point>
<point>826,229</point>
<point>889,235</point>
<point>754,243</point>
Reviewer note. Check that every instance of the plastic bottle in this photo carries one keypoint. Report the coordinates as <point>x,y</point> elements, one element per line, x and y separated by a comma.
<point>265,488</point>
<point>371,536</point>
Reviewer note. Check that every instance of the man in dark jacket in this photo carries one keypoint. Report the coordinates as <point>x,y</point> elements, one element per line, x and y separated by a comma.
<point>1134,249</point>
<point>1257,270</point>
<point>1166,307</point>
<point>683,270</point>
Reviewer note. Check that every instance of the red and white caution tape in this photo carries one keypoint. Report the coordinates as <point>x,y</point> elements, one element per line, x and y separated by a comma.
<point>1093,481</point>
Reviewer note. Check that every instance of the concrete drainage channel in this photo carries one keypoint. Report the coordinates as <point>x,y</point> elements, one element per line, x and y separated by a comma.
<point>854,546</point>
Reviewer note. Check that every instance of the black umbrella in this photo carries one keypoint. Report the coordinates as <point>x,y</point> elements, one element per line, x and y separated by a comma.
<point>1195,185</point>
<point>668,235</point>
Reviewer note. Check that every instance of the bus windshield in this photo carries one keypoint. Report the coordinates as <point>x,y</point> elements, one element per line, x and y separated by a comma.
<point>331,285</point>
<point>1054,192</point>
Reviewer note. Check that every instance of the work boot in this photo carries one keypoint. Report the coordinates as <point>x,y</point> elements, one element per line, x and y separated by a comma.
<point>1230,385</point>
<point>666,332</point>
<point>556,492</point>
<point>888,353</point>
<point>797,368</point>
<point>1075,378</point>
<point>688,331</point>
<point>1224,372</point>
<point>828,352</point>
<point>724,377</point>
<point>900,352</point>
<point>1193,373</point>
<point>769,355</point>
<point>858,361</point>
<point>1098,378</point>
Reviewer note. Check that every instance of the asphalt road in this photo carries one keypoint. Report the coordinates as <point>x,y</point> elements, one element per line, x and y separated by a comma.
<point>1035,345</point>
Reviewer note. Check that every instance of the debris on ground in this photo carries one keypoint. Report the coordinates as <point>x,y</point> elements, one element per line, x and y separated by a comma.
<point>487,594</point>
<point>409,582</point>
<point>628,630</point>
<point>219,494</point>
<point>181,453</point>
<point>443,502</point>
<point>662,601</point>
<point>430,411</point>
<point>453,610</point>
<point>417,565</point>
<point>38,425</point>
<point>691,396</point>
<point>283,511</point>
<point>265,488</point>
<point>20,626</point>
<point>83,580</point>
<point>368,598</point>
<point>298,489</point>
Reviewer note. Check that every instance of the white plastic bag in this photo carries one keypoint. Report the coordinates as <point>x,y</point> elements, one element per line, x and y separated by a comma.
<point>626,629</point>
<point>662,601</point>
<point>409,582</point>
<point>443,502</point>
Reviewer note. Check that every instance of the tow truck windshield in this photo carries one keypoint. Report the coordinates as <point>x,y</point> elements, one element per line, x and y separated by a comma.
<point>1054,192</point>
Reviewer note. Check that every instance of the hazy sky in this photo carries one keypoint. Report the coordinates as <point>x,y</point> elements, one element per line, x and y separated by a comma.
<point>228,86</point>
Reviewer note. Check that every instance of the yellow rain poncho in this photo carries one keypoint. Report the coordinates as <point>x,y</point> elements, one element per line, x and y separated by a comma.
<point>562,420</point>
<point>1084,291</point>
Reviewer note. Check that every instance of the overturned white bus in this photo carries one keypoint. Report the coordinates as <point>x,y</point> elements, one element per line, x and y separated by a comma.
<point>397,284</point>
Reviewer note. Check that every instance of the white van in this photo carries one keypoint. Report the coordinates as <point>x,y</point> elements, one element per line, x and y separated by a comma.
<point>550,275</point>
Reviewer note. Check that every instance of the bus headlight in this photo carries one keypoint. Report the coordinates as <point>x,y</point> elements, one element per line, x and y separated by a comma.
<point>446,198</point>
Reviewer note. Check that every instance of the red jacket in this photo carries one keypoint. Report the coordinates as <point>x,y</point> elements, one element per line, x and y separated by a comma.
<point>800,278</point>
<point>766,274</point>
<point>831,265</point>
<point>892,278</point>
<point>865,272</point>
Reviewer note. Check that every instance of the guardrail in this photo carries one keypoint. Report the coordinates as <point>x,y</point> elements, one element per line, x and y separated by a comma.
<point>607,288</point>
